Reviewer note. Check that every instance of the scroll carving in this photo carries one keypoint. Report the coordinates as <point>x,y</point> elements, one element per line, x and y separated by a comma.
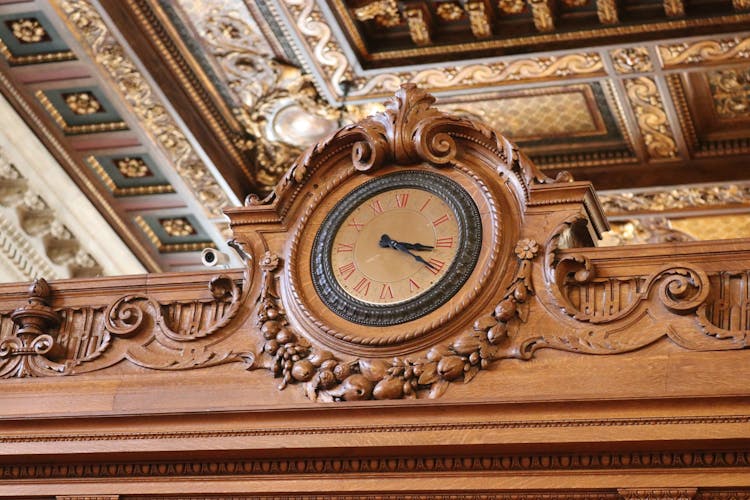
<point>560,294</point>
<point>410,130</point>
<point>138,328</point>
<point>652,119</point>
<point>695,310</point>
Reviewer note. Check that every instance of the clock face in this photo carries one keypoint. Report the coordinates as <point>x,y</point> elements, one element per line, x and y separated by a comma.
<point>396,248</point>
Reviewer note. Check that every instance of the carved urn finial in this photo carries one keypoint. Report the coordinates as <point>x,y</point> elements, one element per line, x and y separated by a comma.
<point>33,318</point>
<point>26,353</point>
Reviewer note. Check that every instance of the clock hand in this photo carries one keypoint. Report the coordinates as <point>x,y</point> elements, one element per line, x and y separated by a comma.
<point>386,241</point>
<point>417,246</point>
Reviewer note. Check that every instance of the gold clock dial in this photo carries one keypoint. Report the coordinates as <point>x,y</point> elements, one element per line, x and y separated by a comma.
<point>395,246</point>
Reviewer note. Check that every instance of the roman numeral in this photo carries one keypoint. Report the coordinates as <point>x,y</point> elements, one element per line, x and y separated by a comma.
<point>446,242</point>
<point>402,199</point>
<point>386,292</point>
<point>435,265</point>
<point>425,204</point>
<point>376,207</point>
<point>345,247</point>
<point>347,270</point>
<point>362,287</point>
<point>413,285</point>
<point>356,225</point>
<point>440,220</point>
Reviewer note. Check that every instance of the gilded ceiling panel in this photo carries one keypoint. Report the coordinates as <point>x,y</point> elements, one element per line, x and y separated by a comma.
<point>555,112</point>
<point>715,227</point>
<point>730,90</point>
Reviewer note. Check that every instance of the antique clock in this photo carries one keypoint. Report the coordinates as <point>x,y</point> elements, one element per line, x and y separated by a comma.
<point>389,261</point>
<point>396,248</point>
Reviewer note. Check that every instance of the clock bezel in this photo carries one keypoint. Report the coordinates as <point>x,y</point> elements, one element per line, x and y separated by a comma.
<point>348,307</point>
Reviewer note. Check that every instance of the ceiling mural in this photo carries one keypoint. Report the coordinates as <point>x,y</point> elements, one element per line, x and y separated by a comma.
<point>163,113</point>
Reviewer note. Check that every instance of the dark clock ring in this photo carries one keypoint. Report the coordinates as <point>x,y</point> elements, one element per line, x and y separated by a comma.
<point>470,243</point>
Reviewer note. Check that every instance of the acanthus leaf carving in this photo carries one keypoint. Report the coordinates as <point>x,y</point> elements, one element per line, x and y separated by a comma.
<point>173,336</point>
<point>411,130</point>
<point>677,300</point>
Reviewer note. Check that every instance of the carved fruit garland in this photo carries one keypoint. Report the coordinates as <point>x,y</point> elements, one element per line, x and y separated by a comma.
<point>327,378</point>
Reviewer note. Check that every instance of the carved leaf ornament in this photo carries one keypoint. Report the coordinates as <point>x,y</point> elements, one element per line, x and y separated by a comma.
<point>534,287</point>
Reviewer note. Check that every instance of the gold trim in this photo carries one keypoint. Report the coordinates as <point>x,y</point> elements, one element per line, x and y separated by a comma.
<point>419,28</point>
<point>630,60</point>
<point>606,11</point>
<point>542,13</point>
<point>697,147</point>
<point>704,51</point>
<point>186,247</point>
<point>616,106</point>
<point>126,191</point>
<point>150,234</point>
<point>674,8</point>
<point>77,129</point>
<point>677,91</point>
<point>561,37</point>
<point>479,18</point>
<point>88,26</point>
<point>170,247</point>
<point>582,160</point>
<point>677,199</point>
<point>332,64</point>
<point>514,42</point>
<point>158,15</point>
<point>88,187</point>
<point>648,108</point>
<point>13,60</point>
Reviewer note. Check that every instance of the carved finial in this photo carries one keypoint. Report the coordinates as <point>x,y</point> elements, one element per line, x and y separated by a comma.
<point>28,350</point>
<point>34,318</point>
<point>39,290</point>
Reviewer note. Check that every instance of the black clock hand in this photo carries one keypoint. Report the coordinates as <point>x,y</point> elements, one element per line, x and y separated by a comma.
<point>386,241</point>
<point>416,246</point>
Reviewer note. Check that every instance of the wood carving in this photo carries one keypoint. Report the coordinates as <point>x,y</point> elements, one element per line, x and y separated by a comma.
<point>538,281</point>
<point>26,353</point>
<point>181,334</point>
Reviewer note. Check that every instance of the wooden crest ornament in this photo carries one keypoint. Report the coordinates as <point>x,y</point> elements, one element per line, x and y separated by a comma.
<point>398,256</point>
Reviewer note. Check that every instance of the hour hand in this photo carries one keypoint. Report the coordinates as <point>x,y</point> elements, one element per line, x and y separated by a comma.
<point>386,241</point>
<point>417,246</point>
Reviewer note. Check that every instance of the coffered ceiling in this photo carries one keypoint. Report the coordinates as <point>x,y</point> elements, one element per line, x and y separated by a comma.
<point>162,113</point>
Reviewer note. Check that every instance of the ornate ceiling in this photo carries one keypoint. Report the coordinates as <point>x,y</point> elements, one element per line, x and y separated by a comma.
<point>162,113</point>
